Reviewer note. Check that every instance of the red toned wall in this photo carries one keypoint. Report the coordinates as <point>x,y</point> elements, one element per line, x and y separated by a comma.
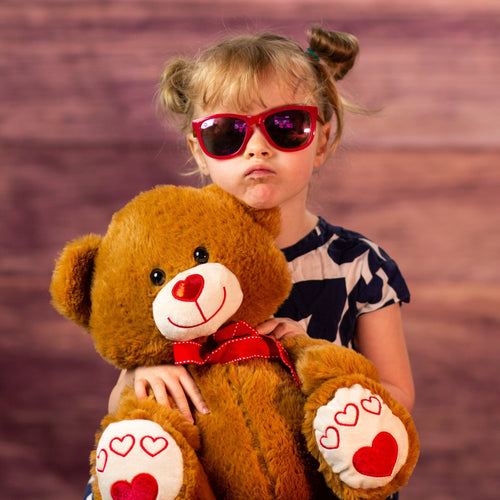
<point>79,137</point>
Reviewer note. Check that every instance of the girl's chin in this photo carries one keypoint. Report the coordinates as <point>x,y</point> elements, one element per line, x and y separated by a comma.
<point>260,196</point>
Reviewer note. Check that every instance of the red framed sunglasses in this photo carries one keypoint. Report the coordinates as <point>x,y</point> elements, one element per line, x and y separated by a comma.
<point>287,128</point>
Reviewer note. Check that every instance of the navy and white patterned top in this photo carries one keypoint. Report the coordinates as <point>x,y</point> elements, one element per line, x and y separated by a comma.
<point>338,275</point>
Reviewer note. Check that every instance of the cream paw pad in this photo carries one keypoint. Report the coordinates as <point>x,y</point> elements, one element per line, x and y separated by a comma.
<point>360,438</point>
<point>138,459</point>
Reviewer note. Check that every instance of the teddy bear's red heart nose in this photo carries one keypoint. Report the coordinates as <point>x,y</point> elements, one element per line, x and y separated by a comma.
<point>188,290</point>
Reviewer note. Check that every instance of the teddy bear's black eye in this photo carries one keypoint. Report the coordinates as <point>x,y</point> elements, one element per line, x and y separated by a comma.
<point>157,277</point>
<point>201,255</point>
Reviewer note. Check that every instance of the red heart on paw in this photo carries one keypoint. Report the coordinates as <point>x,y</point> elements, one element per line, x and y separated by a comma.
<point>377,460</point>
<point>142,487</point>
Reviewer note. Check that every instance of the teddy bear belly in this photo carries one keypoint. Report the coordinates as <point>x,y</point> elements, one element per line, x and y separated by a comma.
<point>252,446</point>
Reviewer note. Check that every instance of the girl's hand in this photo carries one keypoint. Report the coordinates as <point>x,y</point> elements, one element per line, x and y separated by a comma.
<point>280,328</point>
<point>164,381</point>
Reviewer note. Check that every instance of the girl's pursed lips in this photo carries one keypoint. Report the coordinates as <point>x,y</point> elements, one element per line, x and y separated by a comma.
<point>258,170</point>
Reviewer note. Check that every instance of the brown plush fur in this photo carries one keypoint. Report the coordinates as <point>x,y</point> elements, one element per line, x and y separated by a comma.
<point>252,444</point>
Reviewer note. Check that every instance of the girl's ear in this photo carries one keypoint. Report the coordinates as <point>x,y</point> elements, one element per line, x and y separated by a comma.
<point>197,153</point>
<point>72,279</point>
<point>323,140</point>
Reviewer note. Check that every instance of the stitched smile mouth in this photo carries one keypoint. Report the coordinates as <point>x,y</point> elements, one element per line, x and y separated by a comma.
<point>205,319</point>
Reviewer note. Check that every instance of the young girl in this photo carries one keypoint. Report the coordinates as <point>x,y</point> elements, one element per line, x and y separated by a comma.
<point>261,116</point>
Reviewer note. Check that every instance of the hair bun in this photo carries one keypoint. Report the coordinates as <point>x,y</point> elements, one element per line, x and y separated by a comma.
<point>174,79</point>
<point>336,49</point>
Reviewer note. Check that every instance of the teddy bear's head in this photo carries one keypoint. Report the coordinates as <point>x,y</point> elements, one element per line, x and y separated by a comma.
<point>176,263</point>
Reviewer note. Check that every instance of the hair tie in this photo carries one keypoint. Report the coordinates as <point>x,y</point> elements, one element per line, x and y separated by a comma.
<point>309,51</point>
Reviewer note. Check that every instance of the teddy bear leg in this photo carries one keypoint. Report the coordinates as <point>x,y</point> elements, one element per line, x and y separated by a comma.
<point>365,442</point>
<point>140,460</point>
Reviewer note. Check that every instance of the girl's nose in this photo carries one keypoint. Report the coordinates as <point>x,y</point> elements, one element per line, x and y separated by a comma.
<point>257,145</point>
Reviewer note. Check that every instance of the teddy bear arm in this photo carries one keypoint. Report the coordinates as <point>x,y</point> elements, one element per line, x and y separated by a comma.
<point>319,360</point>
<point>365,442</point>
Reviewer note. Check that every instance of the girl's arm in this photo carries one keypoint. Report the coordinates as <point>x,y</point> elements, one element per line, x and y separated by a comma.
<point>379,337</point>
<point>165,381</point>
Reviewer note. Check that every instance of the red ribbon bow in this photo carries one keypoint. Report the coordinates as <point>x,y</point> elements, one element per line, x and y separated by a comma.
<point>236,342</point>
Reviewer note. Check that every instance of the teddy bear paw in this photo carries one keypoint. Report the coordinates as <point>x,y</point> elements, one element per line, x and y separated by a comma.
<point>360,439</point>
<point>138,459</point>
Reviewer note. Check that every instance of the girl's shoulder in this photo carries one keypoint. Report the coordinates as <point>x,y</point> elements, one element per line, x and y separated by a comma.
<point>332,252</point>
<point>341,244</point>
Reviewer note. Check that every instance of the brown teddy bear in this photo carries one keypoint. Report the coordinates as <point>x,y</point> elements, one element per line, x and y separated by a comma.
<point>182,276</point>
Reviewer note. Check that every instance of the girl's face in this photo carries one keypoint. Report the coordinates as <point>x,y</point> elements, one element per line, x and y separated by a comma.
<point>262,176</point>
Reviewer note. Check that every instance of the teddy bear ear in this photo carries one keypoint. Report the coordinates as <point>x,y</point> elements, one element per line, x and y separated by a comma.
<point>72,277</point>
<point>268,218</point>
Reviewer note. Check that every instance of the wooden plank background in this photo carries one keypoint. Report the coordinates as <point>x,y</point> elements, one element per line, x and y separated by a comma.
<point>79,137</point>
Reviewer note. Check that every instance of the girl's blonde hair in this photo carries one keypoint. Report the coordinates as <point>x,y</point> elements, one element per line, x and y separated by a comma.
<point>230,72</point>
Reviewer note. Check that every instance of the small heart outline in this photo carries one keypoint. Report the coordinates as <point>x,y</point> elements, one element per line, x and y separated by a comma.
<point>347,418</point>
<point>325,438</point>
<point>126,443</point>
<point>372,405</point>
<point>150,446</point>
<point>101,458</point>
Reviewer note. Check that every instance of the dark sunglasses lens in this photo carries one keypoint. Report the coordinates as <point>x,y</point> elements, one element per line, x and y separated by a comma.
<point>289,129</point>
<point>223,136</point>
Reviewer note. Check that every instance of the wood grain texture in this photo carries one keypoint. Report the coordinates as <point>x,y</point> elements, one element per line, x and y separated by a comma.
<point>79,137</point>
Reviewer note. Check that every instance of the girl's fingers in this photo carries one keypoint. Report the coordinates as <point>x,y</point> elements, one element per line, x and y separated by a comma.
<point>195,395</point>
<point>160,391</point>
<point>279,328</point>
<point>180,400</point>
<point>140,388</point>
<point>175,382</point>
<point>268,326</point>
